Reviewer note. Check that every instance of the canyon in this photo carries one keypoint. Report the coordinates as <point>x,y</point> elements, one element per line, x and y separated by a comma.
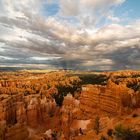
<point>61,106</point>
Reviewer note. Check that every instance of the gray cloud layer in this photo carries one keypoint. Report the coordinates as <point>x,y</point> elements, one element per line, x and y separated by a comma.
<point>27,37</point>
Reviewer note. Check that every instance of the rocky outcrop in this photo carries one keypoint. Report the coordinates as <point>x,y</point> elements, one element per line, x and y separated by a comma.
<point>12,106</point>
<point>28,108</point>
<point>18,131</point>
<point>19,112</point>
<point>112,98</point>
<point>39,110</point>
<point>12,112</point>
<point>95,100</point>
<point>69,111</point>
<point>89,100</point>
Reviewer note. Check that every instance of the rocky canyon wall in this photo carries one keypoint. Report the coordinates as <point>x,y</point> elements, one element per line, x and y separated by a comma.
<point>19,112</point>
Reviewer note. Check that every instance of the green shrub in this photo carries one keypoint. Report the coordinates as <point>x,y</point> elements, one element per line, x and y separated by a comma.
<point>110,132</point>
<point>135,115</point>
<point>103,138</point>
<point>134,85</point>
<point>97,125</point>
<point>58,98</point>
<point>126,133</point>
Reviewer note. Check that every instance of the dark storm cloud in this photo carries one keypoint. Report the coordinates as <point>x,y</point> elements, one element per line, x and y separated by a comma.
<point>26,37</point>
<point>125,58</point>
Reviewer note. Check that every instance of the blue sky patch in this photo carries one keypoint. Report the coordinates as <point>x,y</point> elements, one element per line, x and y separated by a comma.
<point>50,9</point>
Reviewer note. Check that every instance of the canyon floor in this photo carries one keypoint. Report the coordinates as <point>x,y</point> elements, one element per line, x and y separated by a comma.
<point>70,105</point>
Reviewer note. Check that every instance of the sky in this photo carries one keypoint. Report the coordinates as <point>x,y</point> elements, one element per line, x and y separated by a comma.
<point>70,34</point>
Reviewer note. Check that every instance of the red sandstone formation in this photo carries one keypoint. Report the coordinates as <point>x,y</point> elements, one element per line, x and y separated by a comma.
<point>19,112</point>
<point>29,111</point>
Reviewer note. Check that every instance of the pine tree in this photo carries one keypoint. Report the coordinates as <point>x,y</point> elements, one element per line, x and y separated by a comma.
<point>97,125</point>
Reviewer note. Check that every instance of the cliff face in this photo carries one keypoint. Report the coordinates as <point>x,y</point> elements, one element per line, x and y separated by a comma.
<point>112,98</point>
<point>19,112</point>
<point>26,102</point>
<point>12,106</point>
<point>96,100</point>
<point>13,114</point>
<point>39,110</point>
<point>69,111</point>
<point>28,107</point>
